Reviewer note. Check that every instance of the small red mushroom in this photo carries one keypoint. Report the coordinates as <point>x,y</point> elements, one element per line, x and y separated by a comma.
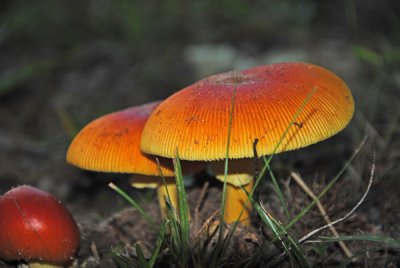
<point>35,227</point>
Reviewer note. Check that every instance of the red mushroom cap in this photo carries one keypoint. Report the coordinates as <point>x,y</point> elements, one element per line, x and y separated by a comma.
<point>36,227</point>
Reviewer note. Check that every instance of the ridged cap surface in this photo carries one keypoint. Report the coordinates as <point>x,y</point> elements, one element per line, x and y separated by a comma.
<point>111,143</point>
<point>195,120</point>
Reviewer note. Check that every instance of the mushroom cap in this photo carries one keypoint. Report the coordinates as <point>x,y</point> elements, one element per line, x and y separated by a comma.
<point>111,143</point>
<point>195,120</point>
<point>36,227</point>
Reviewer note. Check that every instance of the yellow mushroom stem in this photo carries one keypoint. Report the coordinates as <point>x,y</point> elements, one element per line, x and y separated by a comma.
<point>43,265</point>
<point>240,172</point>
<point>236,200</point>
<point>168,189</point>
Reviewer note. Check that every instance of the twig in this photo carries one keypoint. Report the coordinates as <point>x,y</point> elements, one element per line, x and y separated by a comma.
<point>322,210</point>
<point>206,224</point>
<point>199,203</point>
<point>95,253</point>
<point>371,178</point>
<point>256,164</point>
<point>279,258</point>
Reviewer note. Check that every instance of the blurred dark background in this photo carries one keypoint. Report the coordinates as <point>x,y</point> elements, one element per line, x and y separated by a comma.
<point>64,63</point>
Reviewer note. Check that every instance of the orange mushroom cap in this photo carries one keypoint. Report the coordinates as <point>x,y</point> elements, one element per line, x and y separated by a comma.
<point>36,227</point>
<point>195,120</point>
<point>111,144</point>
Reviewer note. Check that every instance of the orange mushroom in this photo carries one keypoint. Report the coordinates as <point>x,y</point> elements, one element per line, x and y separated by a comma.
<point>111,144</point>
<point>195,120</point>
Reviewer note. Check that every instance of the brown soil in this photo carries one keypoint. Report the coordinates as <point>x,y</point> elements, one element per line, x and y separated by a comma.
<point>87,62</point>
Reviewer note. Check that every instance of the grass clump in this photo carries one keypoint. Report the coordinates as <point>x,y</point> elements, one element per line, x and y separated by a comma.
<point>177,246</point>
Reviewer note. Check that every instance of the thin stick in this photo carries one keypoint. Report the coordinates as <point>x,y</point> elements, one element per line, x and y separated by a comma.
<point>206,224</point>
<point>256,165</point>
<point>279,258</point>
<point>199,203</point>
<point>322,210</point>
<point>95,253</point>
<point>371,178</point>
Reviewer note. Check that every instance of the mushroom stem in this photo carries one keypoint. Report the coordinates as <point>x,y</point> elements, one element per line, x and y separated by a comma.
<point>167,190</point>
<point>42,265</point>
<point>240,173</point>
<point>236,200</point>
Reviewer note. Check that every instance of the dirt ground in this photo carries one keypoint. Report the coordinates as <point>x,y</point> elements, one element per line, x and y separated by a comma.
<point>63,65</point>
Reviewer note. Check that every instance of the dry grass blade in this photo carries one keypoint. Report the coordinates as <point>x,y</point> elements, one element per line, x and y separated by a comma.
<point>134,204</point>
<point>210,222</point>
<point>291,247</point>
<point>330,184</point>
<point>199,203</point>
<point>95,253</point>
<point>371,178</point>
<point>322,210</point>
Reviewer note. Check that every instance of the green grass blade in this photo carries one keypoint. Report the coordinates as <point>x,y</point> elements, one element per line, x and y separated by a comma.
<point>222,242</point>
<point>268,221</point>
<point>278,191</point>
<point>67,122</point>
<point>121,258</point>
<point>29,71</point>
<point>290,246</point>
<point>390,242</point>
<point>175,233</point>
<point>173,222</point>
<point>168,197</point>
<point>330,184</point>
<point>133,203</point>
<point>174,228</point>
<point>183,211</point>
<point>12,80</point>
<point>159,243</point>
<point>228,142</point>
<point>368,55</point>
<point>142,262</point>
<point>268,160</point>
